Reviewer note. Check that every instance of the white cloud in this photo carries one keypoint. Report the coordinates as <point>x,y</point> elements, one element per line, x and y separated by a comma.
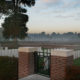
<point>71,4</point>
<point>64,10</point>
<point>50,1</point>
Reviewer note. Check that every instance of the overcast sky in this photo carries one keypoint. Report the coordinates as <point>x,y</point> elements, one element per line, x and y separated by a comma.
<point>54,16</point>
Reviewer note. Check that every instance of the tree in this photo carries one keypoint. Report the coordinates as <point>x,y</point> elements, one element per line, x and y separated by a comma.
<point>78,34</point>
<point>9,6</point>
<point>15,25</point>
<point>53,33</point>
<point>43,33</point>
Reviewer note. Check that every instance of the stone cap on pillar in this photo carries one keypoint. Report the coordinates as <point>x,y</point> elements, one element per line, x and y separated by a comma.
<point>28,49</point>
<point>63,52</point>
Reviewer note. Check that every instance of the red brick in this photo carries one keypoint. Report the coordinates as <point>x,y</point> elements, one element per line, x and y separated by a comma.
<point>58,67</point>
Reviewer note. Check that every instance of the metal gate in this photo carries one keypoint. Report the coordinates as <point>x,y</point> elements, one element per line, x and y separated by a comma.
<point>42,62</point>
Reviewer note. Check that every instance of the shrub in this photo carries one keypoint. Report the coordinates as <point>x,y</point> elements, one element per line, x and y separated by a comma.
<point>73,73</point>
<point>8,68</point>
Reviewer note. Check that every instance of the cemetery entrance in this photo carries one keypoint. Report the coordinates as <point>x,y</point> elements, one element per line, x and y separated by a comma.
<point>42,62</point>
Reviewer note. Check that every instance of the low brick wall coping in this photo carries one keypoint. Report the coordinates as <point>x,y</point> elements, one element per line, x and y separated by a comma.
<point>28,49</point>
<point>62,52</point>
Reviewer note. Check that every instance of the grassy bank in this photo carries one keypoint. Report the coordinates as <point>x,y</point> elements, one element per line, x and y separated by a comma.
<point>77,62</point>
<point>8,68</point>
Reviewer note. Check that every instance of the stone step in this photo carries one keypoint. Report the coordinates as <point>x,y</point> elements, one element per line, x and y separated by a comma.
<point>35,77</point>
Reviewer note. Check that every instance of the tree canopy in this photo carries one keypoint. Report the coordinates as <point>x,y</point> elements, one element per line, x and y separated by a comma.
<point>9,6</point>
<point>14,25</point>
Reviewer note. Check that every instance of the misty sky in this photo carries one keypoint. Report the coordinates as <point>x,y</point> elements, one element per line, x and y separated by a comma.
<point>54,16</point>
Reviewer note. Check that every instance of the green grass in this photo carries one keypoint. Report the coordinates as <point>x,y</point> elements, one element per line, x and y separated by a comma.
<point>77,62</point>
<point>8,68</point>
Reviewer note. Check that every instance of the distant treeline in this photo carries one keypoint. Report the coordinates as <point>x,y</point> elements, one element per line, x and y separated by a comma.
<point>67,33</point>
<point>54,33</point>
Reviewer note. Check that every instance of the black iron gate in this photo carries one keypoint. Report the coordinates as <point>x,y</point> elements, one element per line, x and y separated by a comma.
<point>42,62</point>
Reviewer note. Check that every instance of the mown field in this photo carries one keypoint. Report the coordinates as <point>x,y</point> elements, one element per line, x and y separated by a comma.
<point>8,68</point>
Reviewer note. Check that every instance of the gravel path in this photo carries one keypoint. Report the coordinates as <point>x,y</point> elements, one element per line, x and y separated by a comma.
<point>35,77</point>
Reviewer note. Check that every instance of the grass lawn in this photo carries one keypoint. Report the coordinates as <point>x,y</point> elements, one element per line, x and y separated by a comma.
<point>77,62</point>
<point>8,68</point>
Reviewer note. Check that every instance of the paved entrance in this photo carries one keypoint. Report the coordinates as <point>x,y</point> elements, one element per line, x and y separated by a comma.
<point>35,77</point>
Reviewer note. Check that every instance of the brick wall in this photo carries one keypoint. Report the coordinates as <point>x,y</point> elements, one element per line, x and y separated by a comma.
<point>26,64</point>
<point>58,67</point>
<point>26,61</point>
<point>23,64</point>
<point>59,61</point>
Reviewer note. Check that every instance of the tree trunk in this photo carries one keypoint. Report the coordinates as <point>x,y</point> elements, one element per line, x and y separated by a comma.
<point>15,43</point>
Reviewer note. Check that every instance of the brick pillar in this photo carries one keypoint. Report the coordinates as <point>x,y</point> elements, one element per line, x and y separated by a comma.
<point>60,59</point>
<point>26,61</point>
